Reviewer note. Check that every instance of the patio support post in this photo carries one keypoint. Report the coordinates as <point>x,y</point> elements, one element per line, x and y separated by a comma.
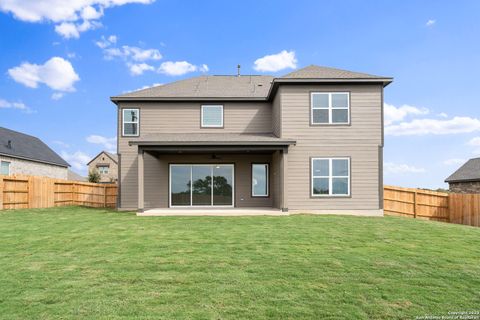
<point>140,181</point>
<point>284,180</point>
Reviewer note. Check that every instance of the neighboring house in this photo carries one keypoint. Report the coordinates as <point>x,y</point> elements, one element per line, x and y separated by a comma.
<point>106,164</point>
<point>467,178</point>
<point>73,176</point>
<point>22,154</point>
<point>310,141</point>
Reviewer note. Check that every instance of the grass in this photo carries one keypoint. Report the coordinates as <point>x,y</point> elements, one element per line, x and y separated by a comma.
<point>90,263</point>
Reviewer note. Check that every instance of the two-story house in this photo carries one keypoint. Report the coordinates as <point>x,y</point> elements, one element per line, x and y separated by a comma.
<point>309,141</point>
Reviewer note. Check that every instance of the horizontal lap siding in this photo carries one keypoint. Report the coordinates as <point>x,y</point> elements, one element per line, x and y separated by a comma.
<point>157,171</point>
<point>359,141</point>
<point>182,118</point>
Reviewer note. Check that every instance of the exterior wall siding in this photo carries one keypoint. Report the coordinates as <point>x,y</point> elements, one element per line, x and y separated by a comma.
<point>103,159</point>
<point>288,116</point>
<point>157,176</point>
<point>179,117</point>
<point>31,168</point>
<point>359,140</point>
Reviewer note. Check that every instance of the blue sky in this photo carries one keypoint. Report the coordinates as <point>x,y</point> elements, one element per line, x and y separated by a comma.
<point>61,63</point>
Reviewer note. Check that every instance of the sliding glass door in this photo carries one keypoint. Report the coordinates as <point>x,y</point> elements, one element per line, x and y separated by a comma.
<point>201,185</point>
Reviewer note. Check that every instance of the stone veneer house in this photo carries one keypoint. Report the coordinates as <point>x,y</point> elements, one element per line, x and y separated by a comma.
<point>106,164</point>
<point>22,154</point>
<point>309,141</point>
<point>467,178</point>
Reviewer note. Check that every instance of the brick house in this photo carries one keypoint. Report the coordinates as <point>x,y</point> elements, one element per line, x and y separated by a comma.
<point>467,178</point>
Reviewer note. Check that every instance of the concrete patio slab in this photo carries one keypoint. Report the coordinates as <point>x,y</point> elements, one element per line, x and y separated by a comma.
<point>223,212</point>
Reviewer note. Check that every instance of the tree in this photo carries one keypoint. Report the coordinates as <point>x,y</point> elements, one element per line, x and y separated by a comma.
<point>94,176</point>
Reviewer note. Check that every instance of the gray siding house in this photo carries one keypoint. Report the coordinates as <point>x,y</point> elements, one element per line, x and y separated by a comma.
<point>309,141</point>
<point>22,154</point>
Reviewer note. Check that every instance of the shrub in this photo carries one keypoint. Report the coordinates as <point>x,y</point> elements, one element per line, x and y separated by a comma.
<point>94,176</point>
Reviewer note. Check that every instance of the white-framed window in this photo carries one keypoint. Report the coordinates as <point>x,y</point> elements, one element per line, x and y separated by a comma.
<point>130,122</point>
<point>5,168</point>
<point>103,169</point>
<point>260,180</point>
<point>212,116</point>
<point>330,177</point>
<point>330,108</point>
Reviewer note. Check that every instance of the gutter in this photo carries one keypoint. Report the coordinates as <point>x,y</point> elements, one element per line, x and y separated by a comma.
<point>34,160</point>
<point>212,143</point>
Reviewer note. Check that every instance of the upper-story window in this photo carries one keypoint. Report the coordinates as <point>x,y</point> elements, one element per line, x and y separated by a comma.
<point>330,108</point>
<point>212,116</point>
<point>130,122</point>
<point>103,169</point>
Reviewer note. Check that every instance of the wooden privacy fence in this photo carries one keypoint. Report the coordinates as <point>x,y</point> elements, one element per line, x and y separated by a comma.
<point>20,192</point>
<point>432,205</point>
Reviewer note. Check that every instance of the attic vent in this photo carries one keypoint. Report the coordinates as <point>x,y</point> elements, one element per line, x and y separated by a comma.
<point>9,144</point>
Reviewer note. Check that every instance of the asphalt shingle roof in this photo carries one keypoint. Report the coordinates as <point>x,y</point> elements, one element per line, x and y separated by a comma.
<point>470,171</point>
<point>209,87</point>
<point>28,147</point>
<point>211,139</point>
<point>244,86</point>
<point>318,72</point>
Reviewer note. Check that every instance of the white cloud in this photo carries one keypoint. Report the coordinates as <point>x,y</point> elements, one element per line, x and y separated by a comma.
<point>77,160</point>
<point>442,115</point>
<point>474,142</point>
<point>57,95</point>
<point>203,68</point>
<point>434,126</point>
<point>393,114</point>
<point>276,62</point>
<point>145,87</point>
<point>4,104</point>
<point>110,144</point>
<point>177,68</point>
<point>79,15</point>
<point>430,22</point>
<point>454,161</point>
<point>139,68</point>
<point>57,73</point>
<point>72,30</point>
<point>396,168</point>
<point>127,52</point>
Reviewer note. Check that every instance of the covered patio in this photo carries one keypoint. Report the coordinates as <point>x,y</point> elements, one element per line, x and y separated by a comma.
<point>210,174</point>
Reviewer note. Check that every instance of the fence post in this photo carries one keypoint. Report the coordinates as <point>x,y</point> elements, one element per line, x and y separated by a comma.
<point>1,193</point>
<point>415,204</point>
<point>30,192</point>
<point>105,196</point>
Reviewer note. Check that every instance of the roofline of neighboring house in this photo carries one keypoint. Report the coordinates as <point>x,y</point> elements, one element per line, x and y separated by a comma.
<point>34,160</point>
<point>462,180</point>
<point>103,151</point>
<point>275,83</point>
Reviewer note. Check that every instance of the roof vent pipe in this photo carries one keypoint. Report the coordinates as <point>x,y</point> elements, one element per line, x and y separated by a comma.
<point>238,70</point>
<point>9,144</point>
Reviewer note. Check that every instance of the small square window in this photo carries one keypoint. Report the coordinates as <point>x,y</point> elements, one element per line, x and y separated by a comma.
<point>330,108</point>
<point>212,116</point>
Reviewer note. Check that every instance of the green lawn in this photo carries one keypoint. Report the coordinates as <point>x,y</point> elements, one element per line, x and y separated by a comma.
<point>89,264</point>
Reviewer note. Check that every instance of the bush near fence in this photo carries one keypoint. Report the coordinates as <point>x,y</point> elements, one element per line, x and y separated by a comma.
<point>22,192</point>
<point>432,205</point>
